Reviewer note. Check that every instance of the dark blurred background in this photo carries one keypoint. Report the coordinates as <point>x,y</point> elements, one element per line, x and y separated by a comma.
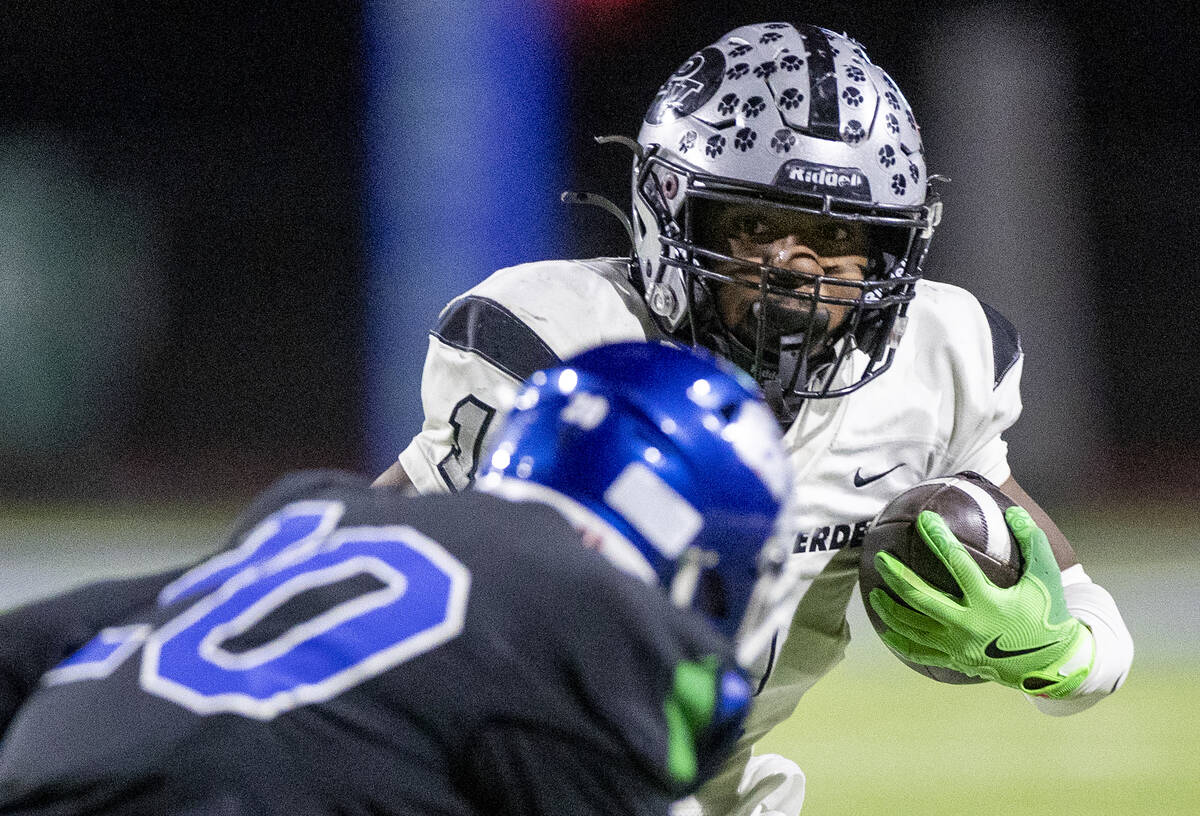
<point>225,228</point>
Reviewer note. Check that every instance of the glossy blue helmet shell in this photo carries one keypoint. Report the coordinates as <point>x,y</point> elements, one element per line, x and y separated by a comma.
<point>674,449</point>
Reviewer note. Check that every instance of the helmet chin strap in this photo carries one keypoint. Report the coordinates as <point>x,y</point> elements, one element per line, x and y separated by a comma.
<point>795,350</point>
<point>688,568</point>
<point>794,355</point>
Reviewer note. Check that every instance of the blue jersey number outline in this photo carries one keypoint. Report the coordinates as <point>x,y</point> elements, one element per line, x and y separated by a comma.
<point>100,656</point>
<point>420,603</point>
<point>287,535</point>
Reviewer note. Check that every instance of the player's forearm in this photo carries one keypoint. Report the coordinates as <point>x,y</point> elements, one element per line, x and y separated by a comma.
<point>1064,553</point>
<point>395,476</point>
<point>1112,644</point>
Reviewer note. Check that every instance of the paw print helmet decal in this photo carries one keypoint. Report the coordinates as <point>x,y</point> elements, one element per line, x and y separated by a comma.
<point>797,119</point>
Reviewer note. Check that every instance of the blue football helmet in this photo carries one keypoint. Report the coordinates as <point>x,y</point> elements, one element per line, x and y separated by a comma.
<point>674,463</point>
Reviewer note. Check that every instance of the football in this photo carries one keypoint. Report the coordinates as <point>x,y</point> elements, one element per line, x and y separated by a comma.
<point>973,508</point>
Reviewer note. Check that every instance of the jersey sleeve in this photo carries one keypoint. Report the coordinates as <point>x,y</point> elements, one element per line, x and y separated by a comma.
<point>980,360</point>
<point>462,394</point>
<point>37,637</point>
<point>494,336</point>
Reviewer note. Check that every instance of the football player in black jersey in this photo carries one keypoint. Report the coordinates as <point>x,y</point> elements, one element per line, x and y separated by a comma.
<point>568,638</point>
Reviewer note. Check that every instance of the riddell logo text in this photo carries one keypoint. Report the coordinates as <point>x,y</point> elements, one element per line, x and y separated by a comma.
<point>824,178</point>
<point>832,537</point>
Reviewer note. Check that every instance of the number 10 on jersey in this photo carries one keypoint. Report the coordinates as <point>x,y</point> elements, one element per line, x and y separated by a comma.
<point>416,601</point>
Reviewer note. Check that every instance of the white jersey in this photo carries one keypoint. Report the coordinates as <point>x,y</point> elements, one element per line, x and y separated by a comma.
<point>953,388</point>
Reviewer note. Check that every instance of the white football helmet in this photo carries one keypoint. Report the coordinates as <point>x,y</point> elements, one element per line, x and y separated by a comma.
<point>794,119</point>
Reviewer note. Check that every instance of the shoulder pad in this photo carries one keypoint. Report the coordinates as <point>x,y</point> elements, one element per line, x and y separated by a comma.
<point>1006,342</point>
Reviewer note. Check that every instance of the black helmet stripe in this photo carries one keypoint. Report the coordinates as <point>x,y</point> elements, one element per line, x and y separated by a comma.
<point>824,117</point>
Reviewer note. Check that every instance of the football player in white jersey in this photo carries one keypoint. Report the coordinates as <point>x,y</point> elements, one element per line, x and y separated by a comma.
<point>781,214</point>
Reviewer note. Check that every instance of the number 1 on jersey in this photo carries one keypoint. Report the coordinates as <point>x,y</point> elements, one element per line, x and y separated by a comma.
<point>470,420</point>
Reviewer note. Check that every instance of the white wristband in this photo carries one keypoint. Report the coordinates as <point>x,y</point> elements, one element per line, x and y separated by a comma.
<point>1113,654</point>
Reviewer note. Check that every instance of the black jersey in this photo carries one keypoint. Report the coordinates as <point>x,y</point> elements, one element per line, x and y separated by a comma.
<point>355,651</point>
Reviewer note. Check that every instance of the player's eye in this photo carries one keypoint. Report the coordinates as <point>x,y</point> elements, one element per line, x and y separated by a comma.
<point>836,240</point>
<point>756,229</point>
<point>747,227</point>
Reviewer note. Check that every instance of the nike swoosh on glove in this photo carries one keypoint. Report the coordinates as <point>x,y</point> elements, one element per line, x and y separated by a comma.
<point>1020,636</point>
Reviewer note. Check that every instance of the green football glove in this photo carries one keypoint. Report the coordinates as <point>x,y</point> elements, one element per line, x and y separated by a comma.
<point>1021,636</point>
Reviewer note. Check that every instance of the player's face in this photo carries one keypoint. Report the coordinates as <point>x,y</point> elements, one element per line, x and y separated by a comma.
<point>809,247</point>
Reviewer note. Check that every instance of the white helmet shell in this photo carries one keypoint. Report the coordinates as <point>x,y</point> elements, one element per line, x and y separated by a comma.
<point>788,115</point>
<point>801,108</point>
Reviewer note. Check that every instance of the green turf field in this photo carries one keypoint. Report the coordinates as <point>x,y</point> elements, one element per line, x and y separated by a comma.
<point>876,738</point>
<point>873,737</point>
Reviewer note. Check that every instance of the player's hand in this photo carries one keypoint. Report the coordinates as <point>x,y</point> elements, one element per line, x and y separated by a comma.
<point>1021,636</point>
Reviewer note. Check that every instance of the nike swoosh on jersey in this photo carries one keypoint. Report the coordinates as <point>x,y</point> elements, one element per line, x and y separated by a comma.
<point>993,650</point>
<point>860,481</point>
